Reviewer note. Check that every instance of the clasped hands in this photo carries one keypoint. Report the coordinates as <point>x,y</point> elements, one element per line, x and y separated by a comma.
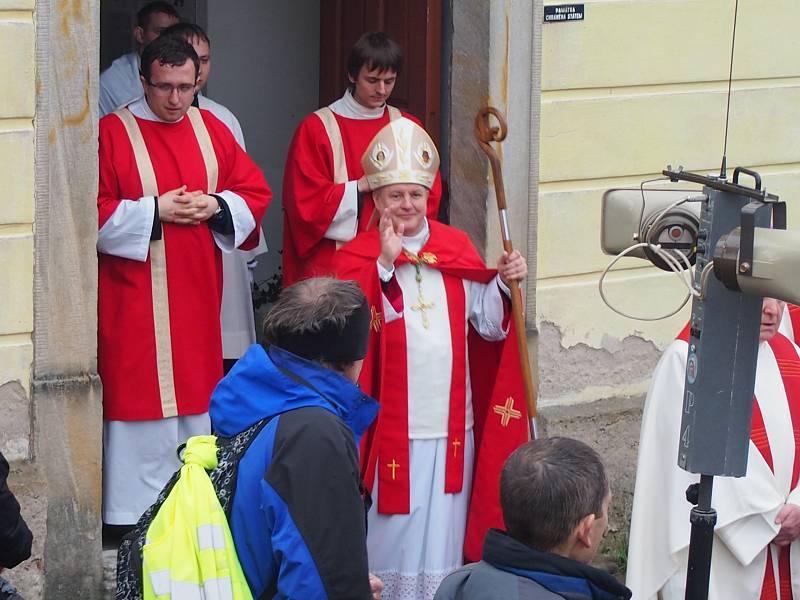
<point>186,208</point>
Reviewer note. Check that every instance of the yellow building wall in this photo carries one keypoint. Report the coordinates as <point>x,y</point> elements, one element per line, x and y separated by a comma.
<point>637,85</point>
<point>17,104</point>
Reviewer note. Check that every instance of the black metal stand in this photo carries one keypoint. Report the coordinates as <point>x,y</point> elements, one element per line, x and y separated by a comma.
<point>703,519</point>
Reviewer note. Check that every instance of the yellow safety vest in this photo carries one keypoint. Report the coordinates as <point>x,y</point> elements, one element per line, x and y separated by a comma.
<point>189,552</point>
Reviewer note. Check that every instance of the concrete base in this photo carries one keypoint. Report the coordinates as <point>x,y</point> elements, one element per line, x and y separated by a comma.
<point>611,427</point>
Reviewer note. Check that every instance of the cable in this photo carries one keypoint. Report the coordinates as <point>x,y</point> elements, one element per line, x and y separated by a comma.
<point>673,264</point>
<point>722,172</point>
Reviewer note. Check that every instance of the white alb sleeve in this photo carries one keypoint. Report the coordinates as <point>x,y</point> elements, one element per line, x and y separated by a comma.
<point>243,222</point>
<point>487,310</point>
<point>345,221</point>
<point>127,232</point>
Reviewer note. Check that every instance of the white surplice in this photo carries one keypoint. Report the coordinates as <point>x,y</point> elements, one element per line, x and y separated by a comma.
<point>746,507</point>
<point>237,317</point>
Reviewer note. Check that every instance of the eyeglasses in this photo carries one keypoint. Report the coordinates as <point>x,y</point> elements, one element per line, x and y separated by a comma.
<point>167,89</point>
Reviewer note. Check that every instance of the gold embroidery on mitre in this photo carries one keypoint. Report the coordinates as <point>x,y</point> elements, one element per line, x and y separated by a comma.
<point>380,156</point>
<point>424,155</point>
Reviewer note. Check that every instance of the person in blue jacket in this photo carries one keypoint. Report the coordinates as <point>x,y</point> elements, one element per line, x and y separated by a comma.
<point>299,508</point>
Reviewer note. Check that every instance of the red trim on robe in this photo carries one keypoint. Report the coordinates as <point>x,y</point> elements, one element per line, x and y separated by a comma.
<point>393,293</point>
<point>456,420</point>
<point>794,317</point>
<point>789,367</point>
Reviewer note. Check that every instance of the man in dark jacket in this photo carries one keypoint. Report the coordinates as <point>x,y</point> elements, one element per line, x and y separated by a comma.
<point>298,518</point>
<point>15,537</point>
<point>555,495</point>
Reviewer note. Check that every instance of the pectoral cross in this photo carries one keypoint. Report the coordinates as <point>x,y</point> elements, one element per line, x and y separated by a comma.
<point>422,306</point>
<point>456,444</point>
<point>394,465</point>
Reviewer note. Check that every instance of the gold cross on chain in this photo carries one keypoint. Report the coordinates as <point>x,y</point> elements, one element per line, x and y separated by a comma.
<point>422,306</point>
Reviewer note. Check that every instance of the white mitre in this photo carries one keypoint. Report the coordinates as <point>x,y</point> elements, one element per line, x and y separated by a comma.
<point>401,152</point>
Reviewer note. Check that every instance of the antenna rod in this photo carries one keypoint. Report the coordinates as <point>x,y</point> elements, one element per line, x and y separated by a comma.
<point>723,172</point>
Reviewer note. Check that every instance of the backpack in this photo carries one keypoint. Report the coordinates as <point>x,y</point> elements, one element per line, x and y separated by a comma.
<point>223,478</point>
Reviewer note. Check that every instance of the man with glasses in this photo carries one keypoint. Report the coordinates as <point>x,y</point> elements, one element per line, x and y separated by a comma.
<point>119,83</point>
<point>175,189</point>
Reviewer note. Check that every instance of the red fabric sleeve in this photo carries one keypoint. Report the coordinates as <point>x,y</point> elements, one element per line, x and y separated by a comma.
<point>393,293</point>
<point>239,174</point>
<point>108,194</point>
<point>310,198</point>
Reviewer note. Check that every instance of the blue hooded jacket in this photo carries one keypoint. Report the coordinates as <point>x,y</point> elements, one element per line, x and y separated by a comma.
<point>298,516</point>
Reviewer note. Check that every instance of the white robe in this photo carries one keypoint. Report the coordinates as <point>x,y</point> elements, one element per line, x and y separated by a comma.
<point>120,84</point>
<point>746,507</point>
<point>413,553</point>
<point>237,317</point>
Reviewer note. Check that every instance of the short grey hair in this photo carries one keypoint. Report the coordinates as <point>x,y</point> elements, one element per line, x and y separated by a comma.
<point>311,305</point>
<point>547,487</point>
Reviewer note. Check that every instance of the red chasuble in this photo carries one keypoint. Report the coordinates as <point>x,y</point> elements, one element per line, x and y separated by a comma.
<point>501,420</point>
<point>128,309</point>
<point>311,197</point>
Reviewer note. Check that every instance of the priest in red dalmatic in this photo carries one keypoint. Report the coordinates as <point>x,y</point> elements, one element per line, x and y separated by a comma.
<point>450,392</point>
<point>175,191</point>
<point>326,197</point>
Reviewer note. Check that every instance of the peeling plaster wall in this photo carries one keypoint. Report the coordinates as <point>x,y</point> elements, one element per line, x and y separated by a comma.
<point>616,113</point>
<point>17,107</point>
<point>49,390</point>
<point>66,389</point>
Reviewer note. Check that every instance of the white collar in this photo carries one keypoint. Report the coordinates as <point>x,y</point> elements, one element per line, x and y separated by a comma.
<point>349,107</point>
<point>140,108</point>
<point>414,243</point>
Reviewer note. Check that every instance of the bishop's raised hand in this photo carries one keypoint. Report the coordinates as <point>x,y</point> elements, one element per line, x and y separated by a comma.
<point>391,239</point>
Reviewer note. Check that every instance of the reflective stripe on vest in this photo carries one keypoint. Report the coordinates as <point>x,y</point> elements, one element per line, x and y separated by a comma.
<point>189,551</point>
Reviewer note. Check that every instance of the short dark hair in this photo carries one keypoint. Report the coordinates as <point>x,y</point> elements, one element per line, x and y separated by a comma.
<point>152,8</point>
<point>311,307</point>
<point>376,50</point>
<point>168,50</point>
<point>187,32</point>
<point>547,486</point>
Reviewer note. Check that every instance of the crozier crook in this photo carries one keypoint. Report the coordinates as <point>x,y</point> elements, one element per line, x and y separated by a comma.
<point>485,134</point>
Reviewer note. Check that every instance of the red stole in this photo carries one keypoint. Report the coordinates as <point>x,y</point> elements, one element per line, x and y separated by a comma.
<point>789,366</point>
<point>794,317</point>
<point>393,451</point>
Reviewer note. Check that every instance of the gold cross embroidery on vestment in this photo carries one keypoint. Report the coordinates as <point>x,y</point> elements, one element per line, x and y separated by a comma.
<point>394,465</point>
<point>507,412</point>
<point>375,321</point>
<point>456,444</point>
